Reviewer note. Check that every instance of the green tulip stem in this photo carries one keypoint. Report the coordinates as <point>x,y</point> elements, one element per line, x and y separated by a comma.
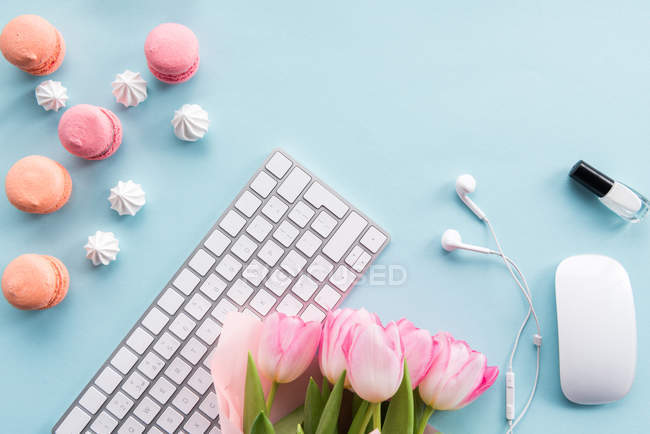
<point>271,397</point>
<point>376,416</point>
<point>428,412</point>
<point>366,418</point>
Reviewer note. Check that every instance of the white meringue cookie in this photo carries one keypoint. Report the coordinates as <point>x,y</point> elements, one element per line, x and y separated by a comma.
<point>129,88</point>
<point>190,122</point>
<point>51,95</point>
<point>102,248</point>
<point>127,197</point>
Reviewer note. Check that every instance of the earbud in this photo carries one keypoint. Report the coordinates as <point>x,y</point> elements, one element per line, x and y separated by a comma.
<point>451,240</point>
<point>466,184</point>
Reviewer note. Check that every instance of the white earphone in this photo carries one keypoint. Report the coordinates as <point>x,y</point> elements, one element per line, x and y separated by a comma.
<point>450,241</point>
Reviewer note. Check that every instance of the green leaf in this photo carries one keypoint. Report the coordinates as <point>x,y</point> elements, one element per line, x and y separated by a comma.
<point>418,408</point>
<point>399,418</point>
<point>254,396</point>
<point>313,408</point>
<point>326,390</point>
<point>262,425</point>
<point>287,425</point>
<point>299,430</point>
<point>329,419</point>
<point>355,427</point>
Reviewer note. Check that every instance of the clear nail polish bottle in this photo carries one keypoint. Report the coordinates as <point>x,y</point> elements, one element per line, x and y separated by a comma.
<point>618,197</point>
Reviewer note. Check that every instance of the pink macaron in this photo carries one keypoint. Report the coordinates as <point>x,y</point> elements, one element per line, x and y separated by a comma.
<point>172,52</point>
<point>32,282</point>
<point>90,132</point>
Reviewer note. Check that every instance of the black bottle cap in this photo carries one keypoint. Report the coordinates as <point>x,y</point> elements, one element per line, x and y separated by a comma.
<point>592,178</point>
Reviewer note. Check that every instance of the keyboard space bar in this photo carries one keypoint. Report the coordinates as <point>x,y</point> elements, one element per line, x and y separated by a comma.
<point>349,230</point>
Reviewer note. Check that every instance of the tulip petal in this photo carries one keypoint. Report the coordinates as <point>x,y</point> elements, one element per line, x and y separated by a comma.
<point>418,350</point>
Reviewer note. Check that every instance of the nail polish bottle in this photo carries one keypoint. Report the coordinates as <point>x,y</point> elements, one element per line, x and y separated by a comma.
<point>618,197</point>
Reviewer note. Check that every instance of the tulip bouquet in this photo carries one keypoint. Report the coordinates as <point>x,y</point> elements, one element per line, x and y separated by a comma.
<point>387,379</point>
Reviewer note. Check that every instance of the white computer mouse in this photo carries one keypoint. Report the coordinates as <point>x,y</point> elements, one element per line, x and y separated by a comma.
<point>596,328</point>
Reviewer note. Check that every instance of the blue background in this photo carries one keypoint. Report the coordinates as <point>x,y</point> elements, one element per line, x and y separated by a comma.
<point>388,103</point>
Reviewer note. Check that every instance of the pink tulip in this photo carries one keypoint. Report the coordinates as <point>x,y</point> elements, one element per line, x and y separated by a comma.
<point>287,347</point>
<point>457,376</point>
<point>240,336</point>
<point>418,350</point>
<point>336,328</point>
<point>374,357</point>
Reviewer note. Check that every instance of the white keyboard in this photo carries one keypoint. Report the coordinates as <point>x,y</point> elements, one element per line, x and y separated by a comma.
<point>286,243</point>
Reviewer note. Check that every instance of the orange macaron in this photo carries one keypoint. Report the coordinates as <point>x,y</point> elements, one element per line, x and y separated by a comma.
<point>33,282</point>
<point>38,185</point>
<point>32,44</point>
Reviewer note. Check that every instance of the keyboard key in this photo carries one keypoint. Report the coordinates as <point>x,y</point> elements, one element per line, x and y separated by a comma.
<point>198,306</point>
<point>196,424</point>
<point>104,423</point>
<point>169,420</point>
<point>278,282</point>
<point>135,385</point>
<point>131,426</point>
<point>248,203</point>
<point>74,422</point>
<point>178,370</point>
<point>92,400</point>
<point>320,268</point>
<point>182,326</point>
<point>301,214</point>
<point>146,410</point>
<point>259,228</point>
<point>232,223</point>
<point>344,236</point>
<point>207,362</point>
<point>213,286</point>
<point>270,253</point>
<point>228,267</point>
<point>343,278</point>
<point>217,242</point>
<point>294,184</point>
<point>108,380</point>
<point>274,209</point>
<point>286,233</point>
<point>312,313</point>
<point>209,331</point>
<point>354,254</point>
<point>210,406</point>
<point>319,196</point>
<point>224,307</point>
<point>278,164</point>
<point>154,430</point>
<point>327,297</point>
<point>119,405</point>
<point>262,302</point>
<point>151,365</point>
<point>289,305</point>
<point>155,321</point>
<point>244,248</point>
<point>124,360</point>
<point>293,263</point>
<point>255,272</point>
<point>324,224</point>
<point>263,184</point>
<point>139,340</point>
<point>185,400</point>
<point>200,380</point>
<point>362,262</point>
<point>162,390</point>
<point>201,262</point>
<point>193,350</point>
<point>171,301</point>
<point>304,287</point>
<point>373,239</point>
<point>239,292</point>
<point>250,313</point>
<point>308,243</point>
<point>166,345</point>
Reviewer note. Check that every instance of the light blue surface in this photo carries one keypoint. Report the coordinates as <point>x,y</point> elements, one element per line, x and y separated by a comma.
<point>386,102</point>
